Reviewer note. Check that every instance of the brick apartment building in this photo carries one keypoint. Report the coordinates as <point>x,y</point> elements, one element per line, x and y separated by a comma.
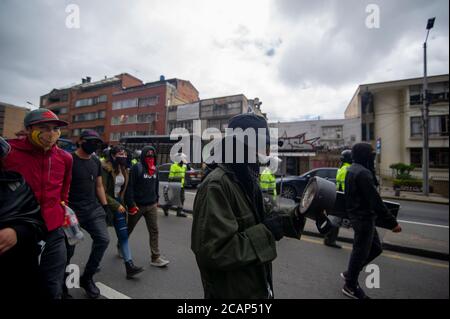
<point>118,106</point>
<point>11,119</point>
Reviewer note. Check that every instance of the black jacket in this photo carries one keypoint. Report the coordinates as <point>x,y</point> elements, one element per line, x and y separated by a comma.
<point>20,211</point>
<point>142,188</point>
<point>361,197</point>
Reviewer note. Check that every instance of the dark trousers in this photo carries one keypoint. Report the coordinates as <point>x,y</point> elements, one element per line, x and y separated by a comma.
<point>150,213</point>
<point>366,247</point>
<point>332,235</point>
<point>53,264</point>
<point>98,231</point>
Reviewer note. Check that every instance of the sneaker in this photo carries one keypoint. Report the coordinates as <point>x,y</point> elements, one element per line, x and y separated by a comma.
<point>356,293</point>
<point>159,262</point>
<point>344,275</point>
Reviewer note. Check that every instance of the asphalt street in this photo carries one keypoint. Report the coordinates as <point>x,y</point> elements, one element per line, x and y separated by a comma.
<point>303,269</point>
<point>425,225</point>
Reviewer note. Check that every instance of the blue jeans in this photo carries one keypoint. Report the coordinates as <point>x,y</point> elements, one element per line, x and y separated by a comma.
<point>120,225</point>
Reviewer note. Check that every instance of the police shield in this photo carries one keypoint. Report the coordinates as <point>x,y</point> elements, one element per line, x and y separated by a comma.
<point>170,194</point>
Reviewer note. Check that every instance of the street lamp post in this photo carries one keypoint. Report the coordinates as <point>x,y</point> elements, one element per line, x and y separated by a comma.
<point>426,104</point>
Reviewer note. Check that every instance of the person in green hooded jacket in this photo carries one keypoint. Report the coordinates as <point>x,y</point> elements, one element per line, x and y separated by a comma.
<point>233,237</point>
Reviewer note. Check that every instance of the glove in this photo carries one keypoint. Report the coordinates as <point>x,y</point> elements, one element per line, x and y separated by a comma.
<point>133,210</point>
<point>274,224</point>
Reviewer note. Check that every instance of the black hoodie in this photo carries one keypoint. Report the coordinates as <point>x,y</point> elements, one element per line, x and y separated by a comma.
<point>362,200</point>
<point>142,188</point>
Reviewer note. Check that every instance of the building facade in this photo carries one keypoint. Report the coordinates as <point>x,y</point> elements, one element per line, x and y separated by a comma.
<point>11,119</point>
<point>118,106</point>
<point>390,116</point>
<point>212,113</point>
<point>306,145</point>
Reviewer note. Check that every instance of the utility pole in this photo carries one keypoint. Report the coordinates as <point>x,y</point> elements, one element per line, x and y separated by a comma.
<point>426,104</point>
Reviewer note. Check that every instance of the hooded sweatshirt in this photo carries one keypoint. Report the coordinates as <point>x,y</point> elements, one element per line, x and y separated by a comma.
<point>144,183</point>
<point>361,197</point>
<point>47,172</point>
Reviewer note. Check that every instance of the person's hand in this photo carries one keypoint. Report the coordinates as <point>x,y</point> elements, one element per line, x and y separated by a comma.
<point>397,229</point>
<point>133,210</point>
<point>274,224</point>
<point>121,209</point>
<point>8,239</point>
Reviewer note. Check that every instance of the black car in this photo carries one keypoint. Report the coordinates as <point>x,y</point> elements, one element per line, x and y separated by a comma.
<point>293,186</point>
<point>192,179</point>
<point>66,145</point>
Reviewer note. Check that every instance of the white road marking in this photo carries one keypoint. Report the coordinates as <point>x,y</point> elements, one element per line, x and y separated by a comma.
<point>110,293</point>
<point>422,224</point>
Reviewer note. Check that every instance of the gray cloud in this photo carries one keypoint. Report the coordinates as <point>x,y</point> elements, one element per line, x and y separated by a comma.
<point>348,51</point>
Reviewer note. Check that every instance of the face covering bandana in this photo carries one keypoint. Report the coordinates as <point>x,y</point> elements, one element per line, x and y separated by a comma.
<point>89,147</point>
<point>150,161</point>
<point>45,139</point>
<point>122,161</point>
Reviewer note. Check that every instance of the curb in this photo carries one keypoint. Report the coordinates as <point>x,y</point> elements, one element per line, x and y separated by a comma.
<point>415,200</point>
<point>396,248</point>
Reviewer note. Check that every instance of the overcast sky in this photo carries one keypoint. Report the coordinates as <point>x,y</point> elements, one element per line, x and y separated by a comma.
<point>301,58</point>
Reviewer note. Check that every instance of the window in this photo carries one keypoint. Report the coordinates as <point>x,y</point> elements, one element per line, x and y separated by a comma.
<point>332,132</point>
<point>84,102</point>
<point>438,93</point>
<point>437,126</point>
<point>116,136</point>
<point>438,157</point>
<point>124,104</point>
<point>371,131</point>
<point>182,124</point>
<point>89,116</point>
<point>91,101</point>
<point>133,119</point>
<point>76,132</point>
<point>148,101</point>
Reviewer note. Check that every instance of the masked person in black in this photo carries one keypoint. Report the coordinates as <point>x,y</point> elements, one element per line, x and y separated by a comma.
<point>115,180</point>
<point>363,205</point>
<point>88,200</point>
<point>21,227</point>
<point>142,200</point>
<point>233,236</point>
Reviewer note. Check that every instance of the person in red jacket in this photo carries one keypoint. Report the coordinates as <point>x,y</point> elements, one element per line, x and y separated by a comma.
<point>48,170</point>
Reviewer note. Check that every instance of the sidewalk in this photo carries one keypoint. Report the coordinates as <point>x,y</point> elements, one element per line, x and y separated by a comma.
<point>388,193</point>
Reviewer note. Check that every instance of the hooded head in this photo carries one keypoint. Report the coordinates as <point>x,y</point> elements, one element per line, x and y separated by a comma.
<point>148,159</point>
<point>362,153</point>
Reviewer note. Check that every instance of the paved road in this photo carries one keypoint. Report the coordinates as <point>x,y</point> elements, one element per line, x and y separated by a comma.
<point>303,269</point>
<point>425,225</point>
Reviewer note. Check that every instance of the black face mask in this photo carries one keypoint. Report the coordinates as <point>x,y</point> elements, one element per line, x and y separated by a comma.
<point>121,161</point>
<point>89,147</point>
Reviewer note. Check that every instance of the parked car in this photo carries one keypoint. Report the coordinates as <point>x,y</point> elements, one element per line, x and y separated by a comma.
<point>66,145</point>
<point>193,175</point>
<point>293,186</point>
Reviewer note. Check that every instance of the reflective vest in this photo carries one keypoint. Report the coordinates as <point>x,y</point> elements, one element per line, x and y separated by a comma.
<point>177,172</point>
<point>267,182</point>
<point>340,177</point>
